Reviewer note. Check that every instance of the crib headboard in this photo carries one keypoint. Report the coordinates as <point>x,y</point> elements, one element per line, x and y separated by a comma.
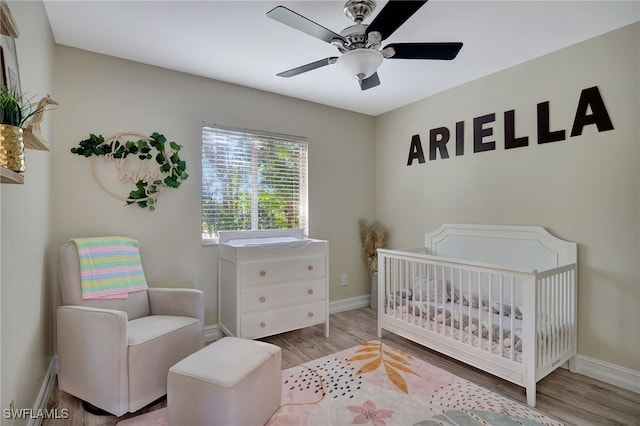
<point>529,247</point>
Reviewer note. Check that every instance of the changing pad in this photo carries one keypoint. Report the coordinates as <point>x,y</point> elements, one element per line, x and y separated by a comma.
<point>269,242</point>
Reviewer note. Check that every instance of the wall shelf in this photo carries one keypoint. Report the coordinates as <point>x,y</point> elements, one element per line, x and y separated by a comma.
<point>31,141</point>
<point>34,141</point>
<point>9,176</point>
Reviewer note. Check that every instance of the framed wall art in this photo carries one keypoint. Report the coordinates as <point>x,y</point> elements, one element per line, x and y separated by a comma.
<point>10,70</point>
<point>3,79</point>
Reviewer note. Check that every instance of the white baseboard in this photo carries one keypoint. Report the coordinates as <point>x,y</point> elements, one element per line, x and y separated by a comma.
<point>42,400</point>
<point>212,333</point>
<point>349,304</point>
<point>608,373</point>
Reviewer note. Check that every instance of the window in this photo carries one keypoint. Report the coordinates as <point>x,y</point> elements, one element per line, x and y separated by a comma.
<point>252,180</point>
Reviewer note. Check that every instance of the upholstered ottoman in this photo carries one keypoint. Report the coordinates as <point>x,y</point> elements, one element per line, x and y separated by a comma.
<point>232,381</point>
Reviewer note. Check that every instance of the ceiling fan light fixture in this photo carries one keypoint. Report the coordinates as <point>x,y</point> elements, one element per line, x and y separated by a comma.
<point>360,63</point>
<point>360,44</point>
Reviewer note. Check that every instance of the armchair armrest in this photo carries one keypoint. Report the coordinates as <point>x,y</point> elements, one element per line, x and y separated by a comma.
<point>92,349</point>
<point>186,302</point>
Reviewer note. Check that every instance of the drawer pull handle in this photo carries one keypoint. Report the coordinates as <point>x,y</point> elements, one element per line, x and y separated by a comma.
<point>263,273</point>
<point>263,325</point>
<point>310,291</point>
<point>310,314</point>
<point>310,267</point>
<point>263,299</point>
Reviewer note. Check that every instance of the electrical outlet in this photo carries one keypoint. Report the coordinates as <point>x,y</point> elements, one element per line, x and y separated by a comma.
<point>344,280</point>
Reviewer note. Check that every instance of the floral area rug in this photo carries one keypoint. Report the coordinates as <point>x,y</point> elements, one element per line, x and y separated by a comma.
<point>377,384</point>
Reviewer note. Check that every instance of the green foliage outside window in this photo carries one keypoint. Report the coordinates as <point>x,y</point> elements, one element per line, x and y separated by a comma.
<point>252,182</point>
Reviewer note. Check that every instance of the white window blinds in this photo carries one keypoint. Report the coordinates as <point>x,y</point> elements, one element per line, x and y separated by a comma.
<point>252,180</point>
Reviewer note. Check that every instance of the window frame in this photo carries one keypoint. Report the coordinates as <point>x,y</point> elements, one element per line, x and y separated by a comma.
<point>254,137</point>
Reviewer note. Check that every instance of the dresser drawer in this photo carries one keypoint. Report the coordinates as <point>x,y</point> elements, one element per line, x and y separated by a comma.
<point>304,268</point>
<point>278,321</point>
<point>267,297</point>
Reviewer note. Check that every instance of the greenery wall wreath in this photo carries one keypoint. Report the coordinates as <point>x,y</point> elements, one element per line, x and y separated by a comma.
<point>171,170</point>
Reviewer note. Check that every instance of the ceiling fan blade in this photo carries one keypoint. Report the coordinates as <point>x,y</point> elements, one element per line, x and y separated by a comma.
<point>393,15</point>
<point>299,22</point>
<point>369,82</point>
<point>444,51</point>
<point>308,67</point>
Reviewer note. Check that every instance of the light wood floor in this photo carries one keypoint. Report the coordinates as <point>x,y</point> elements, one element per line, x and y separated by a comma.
<point>571,398</point>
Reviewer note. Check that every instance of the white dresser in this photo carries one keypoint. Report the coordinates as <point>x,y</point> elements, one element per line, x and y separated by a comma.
<point>271,281</point>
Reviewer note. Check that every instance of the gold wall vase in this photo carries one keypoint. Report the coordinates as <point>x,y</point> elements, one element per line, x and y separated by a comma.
<point>11,148</point>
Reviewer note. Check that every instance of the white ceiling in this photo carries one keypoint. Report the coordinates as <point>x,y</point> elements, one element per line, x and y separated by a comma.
<point>234,41</point>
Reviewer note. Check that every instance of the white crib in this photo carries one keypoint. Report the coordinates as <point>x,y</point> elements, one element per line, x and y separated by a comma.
<point>500,298</point>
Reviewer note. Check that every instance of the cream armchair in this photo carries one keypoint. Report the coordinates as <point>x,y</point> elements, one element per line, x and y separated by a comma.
<point>115,354</point>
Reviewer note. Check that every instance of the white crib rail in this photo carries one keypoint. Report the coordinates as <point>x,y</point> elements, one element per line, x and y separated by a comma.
<point>520,351</point>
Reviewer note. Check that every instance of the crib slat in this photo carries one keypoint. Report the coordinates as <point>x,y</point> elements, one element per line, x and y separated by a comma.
<point>411,278</point>
<point>452,296</point>
<point>540,324</point>
<point>563,308</point>
<point>554,318</point>
<point>480,290</point>
<point>502,313</point>
<point>512,331</point>
<point>544,320</point>
<point>566,319</point>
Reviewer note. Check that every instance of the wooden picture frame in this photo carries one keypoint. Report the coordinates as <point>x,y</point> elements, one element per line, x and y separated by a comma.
<point>10,68</point>
<point>3,77</point>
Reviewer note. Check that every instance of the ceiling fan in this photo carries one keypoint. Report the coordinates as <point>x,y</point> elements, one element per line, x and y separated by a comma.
<point>360,44</point>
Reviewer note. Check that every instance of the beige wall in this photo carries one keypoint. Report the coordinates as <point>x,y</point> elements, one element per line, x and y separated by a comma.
<point>26,276</point>
<point>103,95</point>
<point>584,189</point>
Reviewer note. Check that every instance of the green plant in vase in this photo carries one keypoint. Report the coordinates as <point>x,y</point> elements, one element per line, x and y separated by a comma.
<point>15,110</point>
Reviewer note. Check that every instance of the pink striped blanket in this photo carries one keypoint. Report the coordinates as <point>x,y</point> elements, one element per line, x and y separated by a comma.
<point>110,267</point>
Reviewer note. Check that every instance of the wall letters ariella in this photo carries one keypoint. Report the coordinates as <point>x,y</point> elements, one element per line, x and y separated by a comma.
<point>590,110</point>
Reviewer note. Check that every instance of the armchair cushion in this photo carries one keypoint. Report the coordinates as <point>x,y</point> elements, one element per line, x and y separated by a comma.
<point>143,330</point>
<point>156,343</point>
